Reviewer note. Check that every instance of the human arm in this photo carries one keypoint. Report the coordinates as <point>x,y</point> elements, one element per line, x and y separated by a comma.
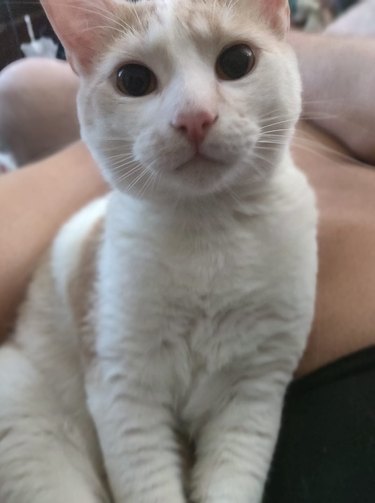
<point>35,201</point>
<point>345,315</point>
<point>338,79</point>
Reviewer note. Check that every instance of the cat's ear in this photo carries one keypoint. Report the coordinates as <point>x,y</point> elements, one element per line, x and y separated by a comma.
<point>81,26</point>
<point>277,14</point>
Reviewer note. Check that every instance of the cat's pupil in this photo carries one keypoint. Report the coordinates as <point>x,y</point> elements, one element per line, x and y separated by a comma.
<point>235,62</point>
<point>135,80</point>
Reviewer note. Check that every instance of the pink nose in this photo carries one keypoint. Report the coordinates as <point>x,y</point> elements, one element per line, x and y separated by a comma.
<point>195,125</point>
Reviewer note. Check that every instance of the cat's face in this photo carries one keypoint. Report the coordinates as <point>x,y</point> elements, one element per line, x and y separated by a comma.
<point>189,97</point>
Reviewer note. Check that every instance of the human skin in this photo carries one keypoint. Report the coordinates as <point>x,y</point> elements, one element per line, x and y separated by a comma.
<point>38,110</point>
<point>35,202</point>
<point>345,315</point>
<point>338,87</point>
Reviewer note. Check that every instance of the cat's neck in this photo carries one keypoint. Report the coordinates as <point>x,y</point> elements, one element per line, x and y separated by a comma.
<point>216,213</point>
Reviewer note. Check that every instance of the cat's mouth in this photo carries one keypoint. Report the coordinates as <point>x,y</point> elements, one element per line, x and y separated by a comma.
<point>198,159</point>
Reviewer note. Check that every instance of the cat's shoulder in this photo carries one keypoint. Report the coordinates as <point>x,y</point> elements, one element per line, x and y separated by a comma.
<point>74,250</point>
<point>61,281</point>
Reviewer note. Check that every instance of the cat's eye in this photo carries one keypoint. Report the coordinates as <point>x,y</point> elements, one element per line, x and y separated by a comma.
<point>135,80</point>
<point>235,62</point>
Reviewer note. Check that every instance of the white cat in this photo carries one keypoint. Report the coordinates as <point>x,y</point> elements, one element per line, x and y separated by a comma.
<point>182,304</point>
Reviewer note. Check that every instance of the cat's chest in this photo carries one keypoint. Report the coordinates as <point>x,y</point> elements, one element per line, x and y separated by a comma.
<point>188,305</point>
<point>218,259</point>
<point>208,273</point>
<point>189,312</point>
<point>204,294</point>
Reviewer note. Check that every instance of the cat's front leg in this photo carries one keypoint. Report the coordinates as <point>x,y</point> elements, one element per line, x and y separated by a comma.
<point>135,424</point>
<point>47,454</point>
<point>236,444</point>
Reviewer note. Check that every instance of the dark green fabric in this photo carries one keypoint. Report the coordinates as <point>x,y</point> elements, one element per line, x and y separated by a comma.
<point>326,448</point>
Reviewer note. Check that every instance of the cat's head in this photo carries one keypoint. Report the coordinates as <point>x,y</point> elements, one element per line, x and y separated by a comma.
<point>185,97</point>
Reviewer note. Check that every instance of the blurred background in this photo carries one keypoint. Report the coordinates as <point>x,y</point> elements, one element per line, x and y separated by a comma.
<point>13,28</point>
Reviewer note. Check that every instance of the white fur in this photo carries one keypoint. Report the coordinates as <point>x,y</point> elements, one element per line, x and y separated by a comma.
<point>204,295</point>
<point>66,250</point>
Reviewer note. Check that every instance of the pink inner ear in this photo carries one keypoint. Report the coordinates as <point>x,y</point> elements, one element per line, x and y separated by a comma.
<point>278,14</point>
<point>81,26</point>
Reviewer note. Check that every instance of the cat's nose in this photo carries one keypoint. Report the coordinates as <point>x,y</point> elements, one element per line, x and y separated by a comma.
<point>195,125</point>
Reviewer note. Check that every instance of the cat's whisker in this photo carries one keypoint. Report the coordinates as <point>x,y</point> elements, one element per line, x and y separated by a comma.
<point>213,10</point>
<point>114,138</point>
<point>109,138</point>
<point>119,161</point>
<point>104,14</point>
<point>317,117</point>
<point>116,157</point>
<point>316,147</point>
<point>286,122</point>
<point>304,114</point>
<point>230,4</point>
<point>276,118</point>
<point>265,144</point>
<point>122,154</point>
<point>339,119</point>
<point>123,168</point>
<point>303,117</point>
<point>262,158</point>
<point>156,180</point>
<point>278,123</point>
<point>117,150</point>
<point>234,195</point>
<point>279,131</point>
<point>135,182</point>
<point>324,153</point>
<point>313,147</point>
<point>274,114</point>
<point>323,116</point>
<point>148,183</point>
<point>134,8</point>
<point>112,18</point>
<point>126,173</point>
<point>276,126</point>
<point>116,146</point>
<point>102,27</point>
<point>272,138</point>
<point>324,102</point>
<point>121,165</point>
<point>273,131</point>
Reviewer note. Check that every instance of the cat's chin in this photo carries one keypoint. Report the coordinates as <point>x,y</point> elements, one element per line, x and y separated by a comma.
<point>198,161</point>
<point>200,175</point>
